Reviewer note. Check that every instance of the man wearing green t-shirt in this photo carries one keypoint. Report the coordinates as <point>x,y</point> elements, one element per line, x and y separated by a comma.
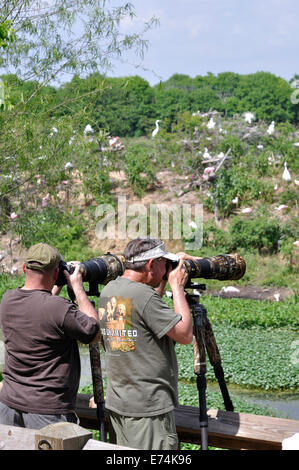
<point>139,332</point>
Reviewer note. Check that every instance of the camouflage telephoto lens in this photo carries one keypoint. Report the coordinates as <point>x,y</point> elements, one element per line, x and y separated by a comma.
<point>221,267</point>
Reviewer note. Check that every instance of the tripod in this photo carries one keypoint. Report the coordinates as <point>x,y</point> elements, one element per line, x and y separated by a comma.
<point>204,340</point>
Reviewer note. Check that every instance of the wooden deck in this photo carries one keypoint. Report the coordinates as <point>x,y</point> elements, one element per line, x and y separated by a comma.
<point>226,429</point>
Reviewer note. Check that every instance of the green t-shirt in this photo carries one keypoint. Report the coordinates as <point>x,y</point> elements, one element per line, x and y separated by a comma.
<point>141,363</point>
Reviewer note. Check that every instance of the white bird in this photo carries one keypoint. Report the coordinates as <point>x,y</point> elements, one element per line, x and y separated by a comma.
<point>88,129</point>
<point>68,166</point>
<point>277,297</point>
<point>54,130</point>
<point>156,130</point>
<point>270,129</point>
<point>211,124</point>
<point>249,117</point>
<point>286,174</point>
<point>192,224</point>
<point>235,200</point>
<point>206,154</point>
<point>281,207</point>
<point>230,289</point>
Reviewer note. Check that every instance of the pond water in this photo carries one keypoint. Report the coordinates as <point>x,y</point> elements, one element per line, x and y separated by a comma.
<point>286,403</point>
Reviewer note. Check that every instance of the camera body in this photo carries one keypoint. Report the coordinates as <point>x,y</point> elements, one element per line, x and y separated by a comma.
<point>95,271</point>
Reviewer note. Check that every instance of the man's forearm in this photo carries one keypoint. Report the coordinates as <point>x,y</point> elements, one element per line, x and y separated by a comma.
<point>84,303</point>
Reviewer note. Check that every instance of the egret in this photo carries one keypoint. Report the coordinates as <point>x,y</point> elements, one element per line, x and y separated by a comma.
<point>156,130</point>
<point>206,154</point>
<point>249,117</point>
<point>286,174</point>
<point>88,129</point>
<point>270,129</point>
<point>276,297</point>
<point>229,289</point>
<point>282,207</point>
<point>211,124</point>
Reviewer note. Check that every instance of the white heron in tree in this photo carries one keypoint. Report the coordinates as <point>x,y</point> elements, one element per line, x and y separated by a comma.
<point>211,124</point>
<point>286,174</point>
<point>270,129</point>
<point>249,117</point>
<point>156,130</point>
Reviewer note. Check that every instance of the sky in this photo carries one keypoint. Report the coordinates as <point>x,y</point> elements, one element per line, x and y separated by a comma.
<point>195,37</point>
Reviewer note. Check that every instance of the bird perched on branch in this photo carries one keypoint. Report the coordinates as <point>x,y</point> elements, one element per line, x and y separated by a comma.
<point>249,117</point>
<point>156,130</point>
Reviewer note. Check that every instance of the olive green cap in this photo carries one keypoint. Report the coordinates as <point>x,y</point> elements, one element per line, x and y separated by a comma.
<point>42,256</point>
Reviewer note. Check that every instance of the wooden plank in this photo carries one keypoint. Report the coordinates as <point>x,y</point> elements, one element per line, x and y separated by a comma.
<point>227,429</point>
<point>231,430</point>
<point>15,438</point>
<point>92,444</point>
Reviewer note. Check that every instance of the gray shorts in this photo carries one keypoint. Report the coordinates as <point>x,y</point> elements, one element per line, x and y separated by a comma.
<point>19,418</point>
<point>147,433</point>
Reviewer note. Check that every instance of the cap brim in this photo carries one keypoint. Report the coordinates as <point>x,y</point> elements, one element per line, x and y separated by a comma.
<point>171,256</point>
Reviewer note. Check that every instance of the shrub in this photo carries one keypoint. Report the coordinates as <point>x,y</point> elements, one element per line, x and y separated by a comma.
<point>139,168</point>
<point>260,233</point>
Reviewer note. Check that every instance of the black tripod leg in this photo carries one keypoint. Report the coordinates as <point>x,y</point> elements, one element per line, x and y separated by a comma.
<point>215,360</point>
<point>199,357</point>
<point>203,417</point>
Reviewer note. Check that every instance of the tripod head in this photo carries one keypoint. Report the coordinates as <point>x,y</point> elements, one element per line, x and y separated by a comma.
<point>193,299</point>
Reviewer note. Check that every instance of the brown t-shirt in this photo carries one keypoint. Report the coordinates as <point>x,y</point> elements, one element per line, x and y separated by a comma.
<point>42,364</point>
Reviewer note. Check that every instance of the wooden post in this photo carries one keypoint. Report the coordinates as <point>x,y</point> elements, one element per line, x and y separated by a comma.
<point>61,436</point>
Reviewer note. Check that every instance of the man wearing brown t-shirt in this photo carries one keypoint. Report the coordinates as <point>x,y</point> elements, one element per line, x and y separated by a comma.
<point>42,364</point>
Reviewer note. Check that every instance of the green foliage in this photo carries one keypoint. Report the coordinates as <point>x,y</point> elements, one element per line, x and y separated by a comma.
<point>245,313</point>
<point>261,233</point>
<point>252,357</point>
<point>139,168</point>
<point>7,34</point>
<point>63,230</point>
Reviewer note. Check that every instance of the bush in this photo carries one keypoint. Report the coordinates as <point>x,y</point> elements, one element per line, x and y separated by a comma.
<point>139,168</point>
<point>260,233</point>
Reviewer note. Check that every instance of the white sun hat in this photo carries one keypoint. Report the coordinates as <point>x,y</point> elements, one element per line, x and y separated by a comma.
<point>156,252</point>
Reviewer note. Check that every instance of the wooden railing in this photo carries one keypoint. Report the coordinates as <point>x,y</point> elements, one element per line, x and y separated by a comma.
<point>226,429</point>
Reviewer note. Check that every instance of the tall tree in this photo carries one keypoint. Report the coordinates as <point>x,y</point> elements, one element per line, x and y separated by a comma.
<point>43,150</point>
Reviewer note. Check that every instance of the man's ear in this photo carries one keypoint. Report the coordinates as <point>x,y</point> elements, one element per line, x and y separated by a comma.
<point>55,273</point>
<point>149,264</point>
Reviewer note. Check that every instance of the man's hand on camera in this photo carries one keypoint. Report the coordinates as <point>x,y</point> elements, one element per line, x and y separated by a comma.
<point>183,255</point>
<point>75,278</point>
<point>177,278</point>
